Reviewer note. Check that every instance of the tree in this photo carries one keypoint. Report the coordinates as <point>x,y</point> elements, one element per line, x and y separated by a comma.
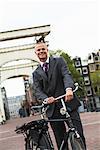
<point>75,74</point>
<point>95,79</point>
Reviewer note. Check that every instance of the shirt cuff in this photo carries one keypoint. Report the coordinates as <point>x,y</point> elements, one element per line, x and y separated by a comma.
<point>68,89</point>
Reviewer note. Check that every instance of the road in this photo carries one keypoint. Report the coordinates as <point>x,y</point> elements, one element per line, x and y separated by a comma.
<point>9,140</point>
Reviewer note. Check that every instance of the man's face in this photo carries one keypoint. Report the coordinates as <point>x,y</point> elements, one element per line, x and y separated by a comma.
<point>41,51</point>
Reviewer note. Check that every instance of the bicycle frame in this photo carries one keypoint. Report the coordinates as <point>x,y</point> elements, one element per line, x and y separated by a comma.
<point>63,111</point>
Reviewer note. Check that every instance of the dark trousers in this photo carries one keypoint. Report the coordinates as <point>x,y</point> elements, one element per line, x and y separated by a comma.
<point>59,128</point>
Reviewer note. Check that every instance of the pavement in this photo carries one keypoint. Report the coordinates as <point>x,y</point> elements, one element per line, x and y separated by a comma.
<point>9,140</point>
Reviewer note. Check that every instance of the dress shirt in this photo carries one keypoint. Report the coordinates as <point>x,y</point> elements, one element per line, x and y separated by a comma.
<point>47,61</point>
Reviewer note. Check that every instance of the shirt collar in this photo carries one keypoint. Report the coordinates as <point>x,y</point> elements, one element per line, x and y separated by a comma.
<point>47,61</point>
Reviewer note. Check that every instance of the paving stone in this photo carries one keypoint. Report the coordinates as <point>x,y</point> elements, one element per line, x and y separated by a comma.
<point>9,140</point>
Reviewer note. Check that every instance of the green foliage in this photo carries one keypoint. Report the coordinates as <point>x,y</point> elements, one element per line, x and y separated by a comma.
<point>75,74</point>
<point>95,79</point>
<point>70,63</point>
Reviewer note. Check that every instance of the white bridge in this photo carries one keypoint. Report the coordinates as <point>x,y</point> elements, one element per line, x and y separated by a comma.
<point>20,53</point>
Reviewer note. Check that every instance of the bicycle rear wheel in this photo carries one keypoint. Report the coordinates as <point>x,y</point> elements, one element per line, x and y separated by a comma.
<point>75,143</point>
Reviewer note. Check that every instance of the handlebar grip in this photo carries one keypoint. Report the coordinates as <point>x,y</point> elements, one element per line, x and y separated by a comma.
<point>37,107</point>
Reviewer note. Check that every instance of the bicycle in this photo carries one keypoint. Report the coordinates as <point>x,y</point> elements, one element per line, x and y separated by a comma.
<point>37,136</point>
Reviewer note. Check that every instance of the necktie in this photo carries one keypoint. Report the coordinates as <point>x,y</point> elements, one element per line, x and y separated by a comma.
<point>45,67</point>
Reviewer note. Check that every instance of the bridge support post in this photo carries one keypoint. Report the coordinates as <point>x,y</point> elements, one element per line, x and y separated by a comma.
<point>2,112</point>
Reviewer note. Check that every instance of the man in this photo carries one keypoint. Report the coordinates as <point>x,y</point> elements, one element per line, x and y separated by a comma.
<point>22,111</point>
<point>50,81</point>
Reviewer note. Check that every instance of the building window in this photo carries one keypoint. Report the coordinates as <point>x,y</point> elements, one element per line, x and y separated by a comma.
<point>77,63</point>
<point>89,91</point>
<point>89,57</point>
<point>87,80</point>
<point>79,70</point>
<point>92,67</point>
<point>97,66</point>
<point>96,58</point>
<point>85,70</point>
<point>96,89</point>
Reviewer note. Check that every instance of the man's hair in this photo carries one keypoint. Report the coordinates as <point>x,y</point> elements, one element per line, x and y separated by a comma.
<point>40,40</point>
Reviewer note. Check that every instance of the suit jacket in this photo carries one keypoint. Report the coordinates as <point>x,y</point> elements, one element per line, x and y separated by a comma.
<point>59,78</point>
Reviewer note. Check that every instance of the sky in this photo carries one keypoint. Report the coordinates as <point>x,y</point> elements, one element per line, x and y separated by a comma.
<point>14,87</point>
<point>74,23</point>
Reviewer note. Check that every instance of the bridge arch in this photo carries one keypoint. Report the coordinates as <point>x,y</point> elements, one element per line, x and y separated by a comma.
<point>18,53</point>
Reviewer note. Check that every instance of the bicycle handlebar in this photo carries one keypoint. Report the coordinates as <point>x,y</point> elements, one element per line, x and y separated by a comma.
<point>27,126</point>
<point>57,98</point>
<point>76,88</point>
<point>35,124</point>
<point>38,106</point>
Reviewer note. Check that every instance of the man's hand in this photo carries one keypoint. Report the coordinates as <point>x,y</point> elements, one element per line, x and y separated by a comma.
<point>49,100</point>
<point>69,95</point>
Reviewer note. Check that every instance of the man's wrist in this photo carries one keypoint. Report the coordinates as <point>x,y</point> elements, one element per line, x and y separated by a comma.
<point>69,88</point>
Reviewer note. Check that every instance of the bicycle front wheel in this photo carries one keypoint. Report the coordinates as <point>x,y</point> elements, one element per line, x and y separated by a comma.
<point>30,144</point>
<point>75,143</point>
<point>45,143</point>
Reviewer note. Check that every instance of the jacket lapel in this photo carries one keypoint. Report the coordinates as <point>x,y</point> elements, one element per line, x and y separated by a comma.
<point>41,72</point>
<point>50,71</point>
<point>51,67</point>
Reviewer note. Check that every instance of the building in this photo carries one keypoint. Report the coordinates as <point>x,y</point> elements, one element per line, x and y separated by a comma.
<point>22,57</point>
<point>85,68</point>
<point>14,103</point>
<point>94,68</point>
